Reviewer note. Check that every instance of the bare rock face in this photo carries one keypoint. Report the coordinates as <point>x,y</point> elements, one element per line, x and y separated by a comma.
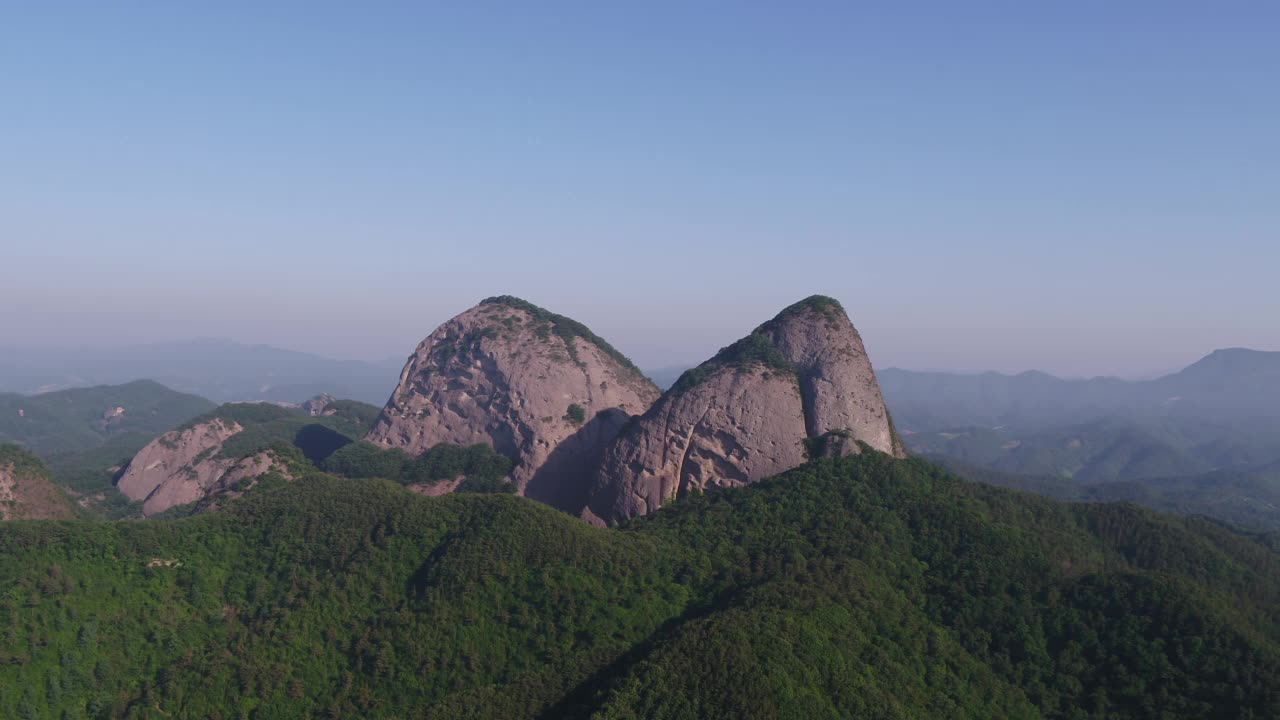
<point>842,399</point>
<point>435,489</point>
<point>26,492</point>
<point>539,388</point>
<point>242,476</point>
<point>319,405</point>
<point>799,386</point>
<point>179,467</point>
<point>735,426</point>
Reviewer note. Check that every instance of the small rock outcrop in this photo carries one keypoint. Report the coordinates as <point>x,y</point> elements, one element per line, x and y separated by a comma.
<point>221,453</point>
<point>539,388</point>
<point>241,478</point>
<point>26,490</point>
<point>179,467</point>
<point>319,405</point>
<point>799,386</point>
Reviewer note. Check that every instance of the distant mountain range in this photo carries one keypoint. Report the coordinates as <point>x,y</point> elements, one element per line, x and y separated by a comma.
<point>221,370</point>
<point>1236,386</point>
<point>1202,440</point>
<point>1223,411</point>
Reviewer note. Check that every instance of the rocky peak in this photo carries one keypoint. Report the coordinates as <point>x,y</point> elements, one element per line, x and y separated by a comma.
<point>798,386</point>
<point>838,387</point>
<point>538,387</point>
<point>179,467</point>
<point>192,465</point>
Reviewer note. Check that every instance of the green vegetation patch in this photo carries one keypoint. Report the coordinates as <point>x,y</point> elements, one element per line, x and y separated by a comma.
<point>244,414</point>
<point>479,465</point>
<point>361,413</point>
<point>575,414</point>
<point>828,307</point>
<point>754,349</point>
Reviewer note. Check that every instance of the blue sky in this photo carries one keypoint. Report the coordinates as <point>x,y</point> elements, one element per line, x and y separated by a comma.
<point>1084,188</point>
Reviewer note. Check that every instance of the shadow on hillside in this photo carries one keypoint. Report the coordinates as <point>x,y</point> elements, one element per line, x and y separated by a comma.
<point>564,480</point>
<point>318,442</point>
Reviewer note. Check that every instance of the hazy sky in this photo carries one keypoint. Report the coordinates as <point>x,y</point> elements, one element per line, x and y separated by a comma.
<point>1093,188</point>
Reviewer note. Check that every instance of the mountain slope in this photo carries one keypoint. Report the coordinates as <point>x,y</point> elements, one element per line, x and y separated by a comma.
<point>852,587</point>
<point>539,388</point>
<point>26,491</point>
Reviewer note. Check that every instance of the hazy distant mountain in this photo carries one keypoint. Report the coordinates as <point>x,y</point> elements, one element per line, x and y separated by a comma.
<point>1238,386</point>
<point>220,370</point>
<point>1202,440</point>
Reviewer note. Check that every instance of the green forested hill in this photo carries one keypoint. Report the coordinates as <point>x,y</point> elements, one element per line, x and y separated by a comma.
<point>863,587</point>
<point>74,420</point>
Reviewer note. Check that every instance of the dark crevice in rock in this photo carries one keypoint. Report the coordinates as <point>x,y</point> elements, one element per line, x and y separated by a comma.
<point>682,476</point>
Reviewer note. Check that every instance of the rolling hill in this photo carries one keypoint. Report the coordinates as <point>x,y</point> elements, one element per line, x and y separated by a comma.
<point>857,587</point>
<point>69,421</point>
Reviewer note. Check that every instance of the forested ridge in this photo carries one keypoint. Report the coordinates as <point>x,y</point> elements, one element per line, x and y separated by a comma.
<point>862,587</point>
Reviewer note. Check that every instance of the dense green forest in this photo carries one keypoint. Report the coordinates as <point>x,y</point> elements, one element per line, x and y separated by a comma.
<point>482,468</point>
<point>862,587</point>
